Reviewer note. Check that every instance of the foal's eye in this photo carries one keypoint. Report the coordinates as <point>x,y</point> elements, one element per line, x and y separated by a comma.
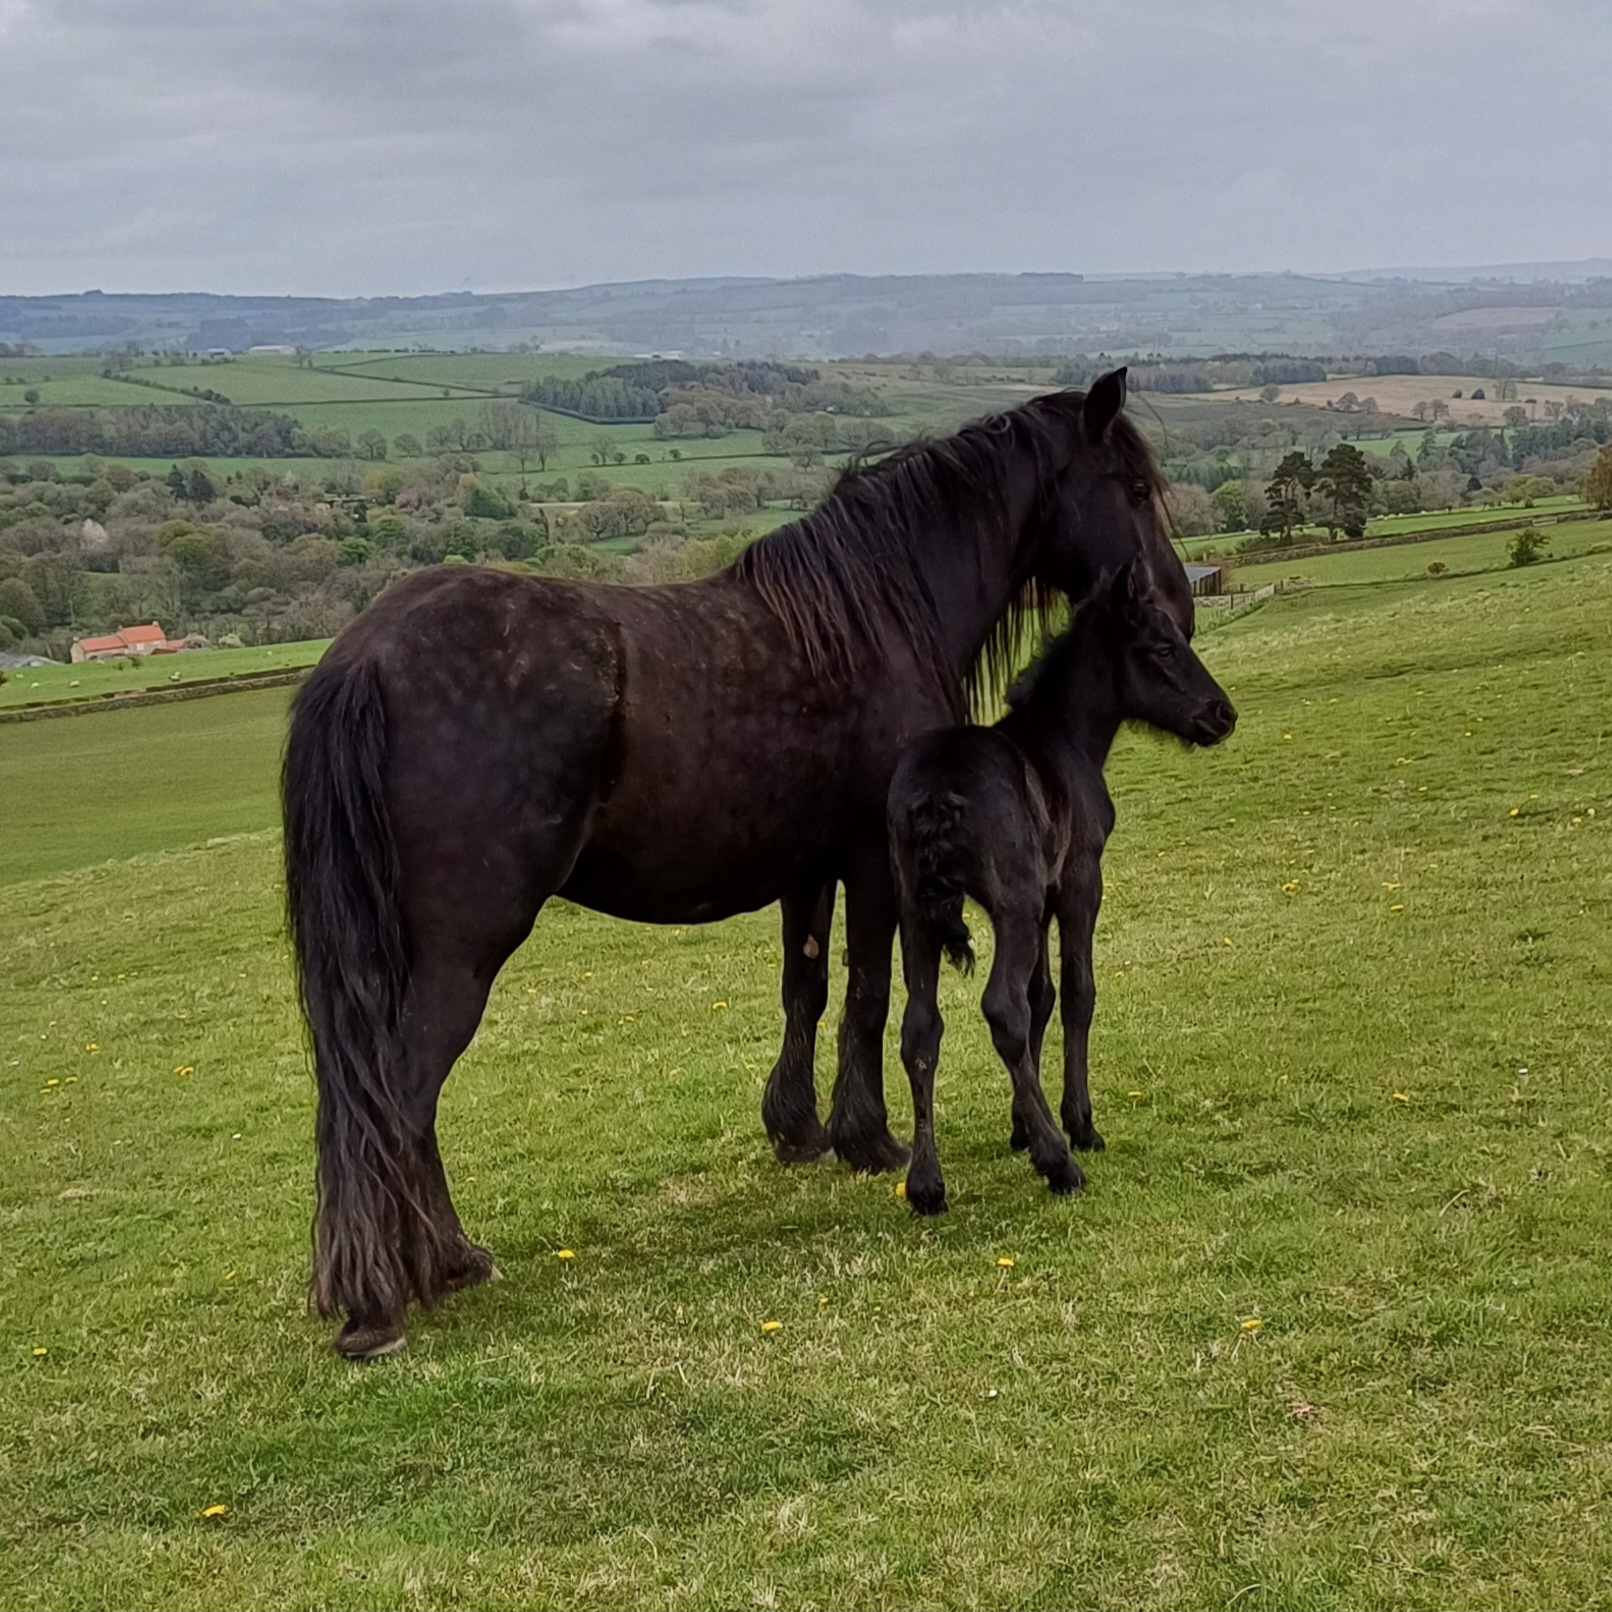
<point>1141,493</point>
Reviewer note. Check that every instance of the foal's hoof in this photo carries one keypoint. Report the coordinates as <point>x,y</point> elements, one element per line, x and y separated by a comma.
<point>926,1197</point>
<point>475,1267</point>
<point>1065,1177</point>
<point>872,1155</point>
<point>1019,1140</point>
<point>801,1149</point>
<point>1088,1138</point>
<point>369,1340</point>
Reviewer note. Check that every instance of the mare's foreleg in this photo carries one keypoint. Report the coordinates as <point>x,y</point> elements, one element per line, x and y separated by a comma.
<point>1078,902</point>
<point>789,1106</point>
<point>858,1124</point>
<point>1007,1011</point>
<point>921,1030</point>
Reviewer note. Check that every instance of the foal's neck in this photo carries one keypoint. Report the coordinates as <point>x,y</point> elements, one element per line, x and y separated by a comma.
<point>1070,720</point>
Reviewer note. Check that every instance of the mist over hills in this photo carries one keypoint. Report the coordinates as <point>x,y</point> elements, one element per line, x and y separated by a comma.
<point>1534,313</point>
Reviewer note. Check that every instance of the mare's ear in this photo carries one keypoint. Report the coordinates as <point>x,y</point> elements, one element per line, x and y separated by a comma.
<point>1103,402</point>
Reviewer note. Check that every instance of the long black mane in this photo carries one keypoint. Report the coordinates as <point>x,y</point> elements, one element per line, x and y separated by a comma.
<point>837,576</point>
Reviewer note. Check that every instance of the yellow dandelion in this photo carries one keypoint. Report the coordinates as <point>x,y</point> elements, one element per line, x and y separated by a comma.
<point>214,1510</point>
<point>1401,1097</point>
<point>183,1069</point>
<point>587,974</point>
<point>1515,810</point>
<point>41,1352</point>
<point>718,1007</point>
<point>1252,1323</point>
<point>1006,1262</point>
<point>565,1253</point>
<point>1398,906</point>
<point>1225,940</point>
<point>772,1326</point>
<point>1287,735</point>
<point>92,1046</point>
<point>1133,1094</point>
<point>1289,886</point>
<point>1390,884</point>
<point>50,1083</point>
<point>901,1189</point>
<point>822,1298</point>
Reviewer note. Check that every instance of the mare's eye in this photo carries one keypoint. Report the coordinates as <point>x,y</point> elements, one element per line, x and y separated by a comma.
<point>1141,493</point>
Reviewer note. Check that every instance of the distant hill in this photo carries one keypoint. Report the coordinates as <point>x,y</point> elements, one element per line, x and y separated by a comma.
<point>1523,312</point>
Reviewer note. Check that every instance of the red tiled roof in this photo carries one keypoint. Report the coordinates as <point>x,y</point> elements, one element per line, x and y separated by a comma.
<point>143,635</point>
<point>98,646</point>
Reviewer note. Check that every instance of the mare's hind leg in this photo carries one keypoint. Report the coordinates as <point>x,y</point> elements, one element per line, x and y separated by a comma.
<point>858,1124</point>
<point>921,1030</point>
<point>446,995</point>
<point>1007,1011</point>
<point>789,1107</point>
<point>1042,1000</point>
<point>1078,902</point>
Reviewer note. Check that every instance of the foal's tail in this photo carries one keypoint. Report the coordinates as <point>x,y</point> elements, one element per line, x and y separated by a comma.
<point>935,838</point>
<point>341,883</point>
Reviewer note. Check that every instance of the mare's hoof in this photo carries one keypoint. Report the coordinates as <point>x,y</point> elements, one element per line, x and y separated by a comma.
<point>1019,1140</point>
<point>369,1340</point>
<point>1087,1138</point>
<point>872,1155</point>
<point>1065,1177</point>
<point>926,1198</point>
<point>475,1267</point>
<point>802,1149</point>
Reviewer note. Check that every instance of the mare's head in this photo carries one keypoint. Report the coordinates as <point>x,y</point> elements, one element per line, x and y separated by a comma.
<point>1157,676</point>
<point>1106,504</point>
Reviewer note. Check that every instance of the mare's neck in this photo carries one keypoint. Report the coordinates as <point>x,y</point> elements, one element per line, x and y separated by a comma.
<point>977,562</point>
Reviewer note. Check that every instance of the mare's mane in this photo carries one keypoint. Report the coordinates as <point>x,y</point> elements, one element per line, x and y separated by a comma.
<point>837,576</point>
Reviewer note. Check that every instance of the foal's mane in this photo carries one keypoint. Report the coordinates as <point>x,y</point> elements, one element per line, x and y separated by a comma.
<point>834,577</point>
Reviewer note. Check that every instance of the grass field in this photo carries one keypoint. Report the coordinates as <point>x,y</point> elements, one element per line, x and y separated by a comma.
<point>37,684</point>
<point>1470,551</point>
<point>1329,1327</point>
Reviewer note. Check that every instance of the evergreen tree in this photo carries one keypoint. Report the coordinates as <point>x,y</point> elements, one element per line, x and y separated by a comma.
<point>1284,494</point>
<point>1344,486</point>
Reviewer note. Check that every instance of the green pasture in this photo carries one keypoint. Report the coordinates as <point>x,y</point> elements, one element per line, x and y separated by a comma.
<point>94,391</point>
<point>34,685</point>
<point>479,371</point>
<point>91,789</point>
<point>1328,1329</point>
<point>1471,551</point>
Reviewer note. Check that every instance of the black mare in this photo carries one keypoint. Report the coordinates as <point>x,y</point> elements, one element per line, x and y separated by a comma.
<point>477,742</point>
<point>1017,816</point>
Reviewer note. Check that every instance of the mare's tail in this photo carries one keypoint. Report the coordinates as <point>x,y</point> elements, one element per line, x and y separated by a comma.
<point>375,1248</point>
<point>939,850</point>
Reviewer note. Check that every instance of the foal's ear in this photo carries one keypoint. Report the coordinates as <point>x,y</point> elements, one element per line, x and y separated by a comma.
<point>1105,399</point>
<point>1131,587</point>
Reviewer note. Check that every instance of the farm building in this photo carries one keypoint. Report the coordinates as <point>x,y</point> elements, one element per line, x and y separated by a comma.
<point>148,640</point>
<point>1206,579</point>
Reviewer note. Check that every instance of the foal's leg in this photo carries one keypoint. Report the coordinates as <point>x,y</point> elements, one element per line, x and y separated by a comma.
<point>1007,1011</point>
<point>921,1030</point>
<point>789,1107</point>
<point>1078,901</point>
<point>1042,999</point>
<point>858,1125</point>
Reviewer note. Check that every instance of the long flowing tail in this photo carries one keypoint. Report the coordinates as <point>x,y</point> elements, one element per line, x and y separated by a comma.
<point>935,836</point>
<point>374,1245</point>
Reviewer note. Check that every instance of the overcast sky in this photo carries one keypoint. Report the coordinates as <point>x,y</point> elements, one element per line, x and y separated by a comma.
<point>347,147</point>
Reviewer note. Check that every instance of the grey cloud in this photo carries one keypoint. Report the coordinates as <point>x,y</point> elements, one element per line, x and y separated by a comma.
<point>400,146</point>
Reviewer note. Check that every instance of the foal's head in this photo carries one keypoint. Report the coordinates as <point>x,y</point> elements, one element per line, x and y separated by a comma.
<point>1157,676</point>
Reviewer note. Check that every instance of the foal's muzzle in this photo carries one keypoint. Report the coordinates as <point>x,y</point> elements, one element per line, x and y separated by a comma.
<point>1215,720</point>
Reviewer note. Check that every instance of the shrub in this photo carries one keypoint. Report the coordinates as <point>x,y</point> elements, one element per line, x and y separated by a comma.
<point>1437,568</point>
<point>1527,546</point>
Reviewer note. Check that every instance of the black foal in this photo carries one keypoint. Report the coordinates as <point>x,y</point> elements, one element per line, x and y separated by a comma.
<point>1016,816</point>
